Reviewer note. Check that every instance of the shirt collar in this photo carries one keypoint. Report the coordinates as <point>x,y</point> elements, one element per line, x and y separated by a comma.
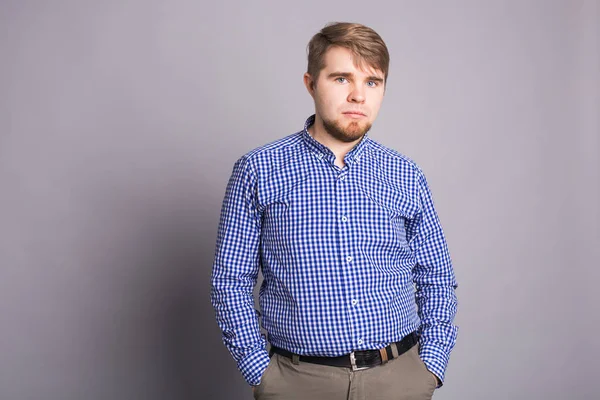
<point>323,151</point>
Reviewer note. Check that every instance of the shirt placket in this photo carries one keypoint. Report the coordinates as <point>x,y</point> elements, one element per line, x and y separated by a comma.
<point>348,256</point>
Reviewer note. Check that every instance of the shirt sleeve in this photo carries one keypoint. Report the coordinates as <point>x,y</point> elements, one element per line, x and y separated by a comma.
<point>235,271</point>
<point>435,284</point>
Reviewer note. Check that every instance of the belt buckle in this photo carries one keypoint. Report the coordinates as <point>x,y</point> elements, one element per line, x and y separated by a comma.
<point>353,363</point>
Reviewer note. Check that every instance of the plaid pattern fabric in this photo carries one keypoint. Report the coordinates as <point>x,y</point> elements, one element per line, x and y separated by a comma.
<point>352,258</point>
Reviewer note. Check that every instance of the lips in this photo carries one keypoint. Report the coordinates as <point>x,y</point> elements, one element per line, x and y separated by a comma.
<point>355,113</point>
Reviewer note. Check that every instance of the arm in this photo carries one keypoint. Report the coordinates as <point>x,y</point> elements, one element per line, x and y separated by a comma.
<point>435,284</point>
<point>235,272</point>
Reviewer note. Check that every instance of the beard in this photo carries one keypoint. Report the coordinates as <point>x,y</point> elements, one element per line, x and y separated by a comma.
<point>350,133</point>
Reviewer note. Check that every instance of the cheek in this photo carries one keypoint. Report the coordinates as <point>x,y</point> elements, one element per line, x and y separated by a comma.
<point>329,104</point>
<point>376,103</point>
<point>334,94</point>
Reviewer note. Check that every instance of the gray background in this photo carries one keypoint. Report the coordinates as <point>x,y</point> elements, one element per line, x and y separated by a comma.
<point>120,122</point>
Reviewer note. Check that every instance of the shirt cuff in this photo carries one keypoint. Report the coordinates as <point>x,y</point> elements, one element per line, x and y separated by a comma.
<point>254,365</point>
<point>435,360</point>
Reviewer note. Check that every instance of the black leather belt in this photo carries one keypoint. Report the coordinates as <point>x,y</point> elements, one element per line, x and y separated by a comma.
<point>356,360</point>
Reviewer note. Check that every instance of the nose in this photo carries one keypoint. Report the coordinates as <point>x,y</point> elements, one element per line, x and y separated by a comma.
<point>357,94</point>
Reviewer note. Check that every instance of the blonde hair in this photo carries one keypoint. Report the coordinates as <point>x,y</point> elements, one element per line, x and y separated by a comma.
<point>366,45</point>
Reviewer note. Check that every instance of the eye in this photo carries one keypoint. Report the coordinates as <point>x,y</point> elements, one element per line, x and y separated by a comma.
<point>341,79</point>
<point>372,84</point>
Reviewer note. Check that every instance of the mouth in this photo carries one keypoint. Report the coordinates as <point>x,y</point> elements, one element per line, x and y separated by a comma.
<point>354,114</point>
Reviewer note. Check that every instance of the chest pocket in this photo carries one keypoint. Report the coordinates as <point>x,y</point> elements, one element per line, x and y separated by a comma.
<point>396,203</point>
<point>385,213</point>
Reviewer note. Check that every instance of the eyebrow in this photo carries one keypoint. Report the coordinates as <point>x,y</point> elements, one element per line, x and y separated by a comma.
<point>351,75</point>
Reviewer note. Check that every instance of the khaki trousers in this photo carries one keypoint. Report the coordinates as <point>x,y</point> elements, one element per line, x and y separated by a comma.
<point>403,378</point>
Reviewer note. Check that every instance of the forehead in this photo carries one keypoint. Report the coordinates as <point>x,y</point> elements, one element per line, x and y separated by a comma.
<point>343,60</point>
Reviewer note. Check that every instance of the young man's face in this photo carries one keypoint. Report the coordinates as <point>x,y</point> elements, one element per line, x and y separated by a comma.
<point>347,98</point>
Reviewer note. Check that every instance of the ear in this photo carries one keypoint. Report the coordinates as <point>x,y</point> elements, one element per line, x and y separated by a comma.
<point>310,84</point>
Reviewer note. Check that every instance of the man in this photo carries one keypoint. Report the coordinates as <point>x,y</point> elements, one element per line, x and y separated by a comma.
<point>358,297</point>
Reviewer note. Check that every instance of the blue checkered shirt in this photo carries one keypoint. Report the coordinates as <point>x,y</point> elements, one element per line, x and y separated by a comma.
<point>353,258</point>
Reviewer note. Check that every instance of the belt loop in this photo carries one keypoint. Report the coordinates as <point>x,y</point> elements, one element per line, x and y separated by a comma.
<point>296,359</point>
<point>394,350</point>
<point>384,355</point>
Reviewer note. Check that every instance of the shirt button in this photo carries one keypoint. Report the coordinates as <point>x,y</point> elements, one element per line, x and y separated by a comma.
<point>349,258</point>
<point>344,219</point>
<point>359,341</point>
<point>342,177</point>
<point>354,302</point>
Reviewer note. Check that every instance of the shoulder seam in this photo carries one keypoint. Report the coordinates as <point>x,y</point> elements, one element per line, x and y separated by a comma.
<point>395,154</point>
<point>285,142</point>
